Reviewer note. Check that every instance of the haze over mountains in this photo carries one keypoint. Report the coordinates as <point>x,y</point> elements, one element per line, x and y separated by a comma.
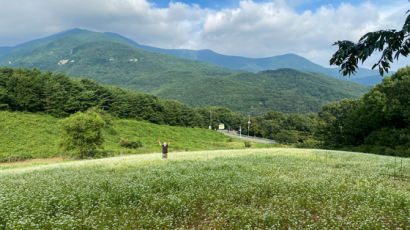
<point>114,60</point>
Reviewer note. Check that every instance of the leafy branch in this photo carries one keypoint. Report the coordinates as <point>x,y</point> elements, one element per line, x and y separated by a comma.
<point>391,43</point>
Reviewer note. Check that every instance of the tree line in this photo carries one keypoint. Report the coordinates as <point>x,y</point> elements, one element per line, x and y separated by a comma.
<point>32,90</point>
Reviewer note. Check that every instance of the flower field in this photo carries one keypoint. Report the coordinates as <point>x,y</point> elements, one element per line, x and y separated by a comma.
<point>228,189</point>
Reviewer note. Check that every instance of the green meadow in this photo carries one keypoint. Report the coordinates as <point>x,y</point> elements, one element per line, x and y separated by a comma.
<point>29,135</point>
<point>272,188</point>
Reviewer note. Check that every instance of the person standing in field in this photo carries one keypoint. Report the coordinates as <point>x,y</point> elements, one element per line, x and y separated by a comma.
<point>164,149</point>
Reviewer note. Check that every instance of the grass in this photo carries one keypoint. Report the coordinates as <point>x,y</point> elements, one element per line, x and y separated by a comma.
<point>28,135</point>
<point>225,189</point>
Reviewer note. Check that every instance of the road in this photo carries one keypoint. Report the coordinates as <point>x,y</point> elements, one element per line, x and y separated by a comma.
<point>246,138</point>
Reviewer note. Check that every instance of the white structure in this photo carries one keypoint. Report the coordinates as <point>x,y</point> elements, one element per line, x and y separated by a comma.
<point>63,62</point>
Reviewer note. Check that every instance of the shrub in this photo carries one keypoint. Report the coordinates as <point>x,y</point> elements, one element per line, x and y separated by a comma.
<point>309,143</point>
<point>248,144</point>
<point>130,144</point>
<point>82,133</point>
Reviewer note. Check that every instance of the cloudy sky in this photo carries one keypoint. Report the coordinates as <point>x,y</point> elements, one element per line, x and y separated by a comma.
<point>251,28</point>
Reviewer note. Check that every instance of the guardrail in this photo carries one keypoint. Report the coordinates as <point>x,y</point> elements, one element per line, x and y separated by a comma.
<point>246,137</point>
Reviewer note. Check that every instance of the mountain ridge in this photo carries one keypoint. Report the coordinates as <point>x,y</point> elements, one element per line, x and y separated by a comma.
<point>113,60</point>
<point>289,60</point>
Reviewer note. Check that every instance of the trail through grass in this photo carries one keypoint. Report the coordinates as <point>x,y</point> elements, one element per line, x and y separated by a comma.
<point>231,189</point>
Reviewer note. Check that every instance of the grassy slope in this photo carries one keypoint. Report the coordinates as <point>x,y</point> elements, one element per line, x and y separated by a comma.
<point>230,189</point>
<point>36,136</point>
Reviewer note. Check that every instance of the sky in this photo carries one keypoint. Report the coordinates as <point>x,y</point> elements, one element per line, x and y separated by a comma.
<point>250,28</point>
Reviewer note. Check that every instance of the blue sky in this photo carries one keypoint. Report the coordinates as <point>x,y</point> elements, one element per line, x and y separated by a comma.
<point>250,28</point>
<point>299,5</point>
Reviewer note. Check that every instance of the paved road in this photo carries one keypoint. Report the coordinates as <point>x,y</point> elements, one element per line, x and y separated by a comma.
<point>246,138</point>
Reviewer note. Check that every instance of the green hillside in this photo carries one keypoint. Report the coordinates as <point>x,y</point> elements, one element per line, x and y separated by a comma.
<point>113,60</point>
<point>231,189</point>
<point>29,135</point>
<point>285,90</point>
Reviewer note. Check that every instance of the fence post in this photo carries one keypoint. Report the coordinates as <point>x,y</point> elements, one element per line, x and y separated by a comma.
<point>394,174</point>
<point>401,167</point>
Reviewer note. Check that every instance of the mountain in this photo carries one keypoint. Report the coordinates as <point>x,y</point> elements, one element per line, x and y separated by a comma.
<point>293,61</point>
<point>286,90</point>
<point>362,76</point>
<point>114,60</point>
<point>107,59</point>
<point>5,49</point>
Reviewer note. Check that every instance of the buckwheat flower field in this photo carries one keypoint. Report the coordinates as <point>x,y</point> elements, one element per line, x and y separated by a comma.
<point>229,189</point>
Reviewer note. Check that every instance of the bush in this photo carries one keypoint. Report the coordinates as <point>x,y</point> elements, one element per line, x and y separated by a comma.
<point>248,144</point>
<point>82,133</point>
<point>309,143</point>
<point>130,144</point>
<point>4,107</point>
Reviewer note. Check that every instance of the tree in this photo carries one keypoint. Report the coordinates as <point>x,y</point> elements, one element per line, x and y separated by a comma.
<point>391,43</point>
<point>82,133</point>
<point>334,124</point>
<point>24,89</point>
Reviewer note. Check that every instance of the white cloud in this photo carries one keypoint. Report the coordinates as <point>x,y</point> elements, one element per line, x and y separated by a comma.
<point>252,29</point>
<point>272,28</point>
<point>24,20</point>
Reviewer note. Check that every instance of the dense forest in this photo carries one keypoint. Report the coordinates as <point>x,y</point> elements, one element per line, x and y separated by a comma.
<point>377,122</point>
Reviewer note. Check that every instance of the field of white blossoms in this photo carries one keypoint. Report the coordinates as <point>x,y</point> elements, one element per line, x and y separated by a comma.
<point>230,189</point>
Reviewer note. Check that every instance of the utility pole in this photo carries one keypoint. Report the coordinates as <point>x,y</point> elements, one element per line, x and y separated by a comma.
<point>249,123</point>
<point>210,119</point>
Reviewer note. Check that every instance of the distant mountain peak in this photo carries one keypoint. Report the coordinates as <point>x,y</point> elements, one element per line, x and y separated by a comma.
<point>70,31</point>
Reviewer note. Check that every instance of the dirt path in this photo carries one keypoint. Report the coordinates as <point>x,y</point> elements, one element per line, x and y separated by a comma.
<point>40,160</point>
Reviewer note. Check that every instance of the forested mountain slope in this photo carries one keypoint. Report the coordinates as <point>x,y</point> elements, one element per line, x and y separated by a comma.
<point>293,61</point>
<point>286,90</point>
<point>113,60</point>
